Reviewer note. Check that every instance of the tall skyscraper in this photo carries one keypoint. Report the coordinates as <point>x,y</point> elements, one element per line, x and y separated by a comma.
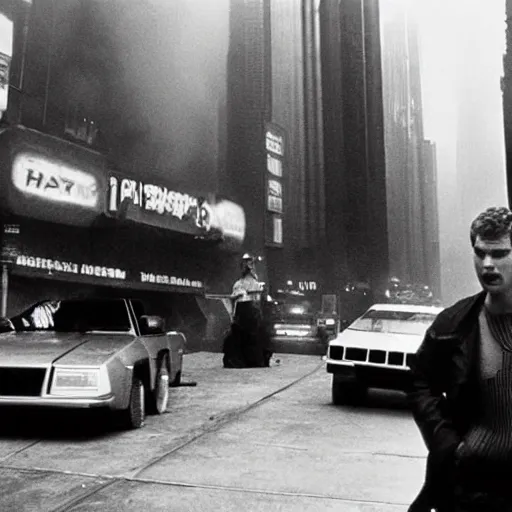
<point>274,159</point>
<point>410,160</point>
<point>355,179</point>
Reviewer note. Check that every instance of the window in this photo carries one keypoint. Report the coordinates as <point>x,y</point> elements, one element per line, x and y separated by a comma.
<point>75,316</point>
<point>396,322</point>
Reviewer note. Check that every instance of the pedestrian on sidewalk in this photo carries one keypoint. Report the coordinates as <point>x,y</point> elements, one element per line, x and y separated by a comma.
<point>247,345</point>
<point>461,394</point>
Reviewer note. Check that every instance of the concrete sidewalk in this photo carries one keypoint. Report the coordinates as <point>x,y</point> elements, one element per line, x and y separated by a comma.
<point>256,440</point>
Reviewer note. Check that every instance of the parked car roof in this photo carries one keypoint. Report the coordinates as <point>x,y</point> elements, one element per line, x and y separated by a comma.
<point>417,308</point>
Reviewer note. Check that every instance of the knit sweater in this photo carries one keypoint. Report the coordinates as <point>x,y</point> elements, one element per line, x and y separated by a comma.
<point>488,444</point>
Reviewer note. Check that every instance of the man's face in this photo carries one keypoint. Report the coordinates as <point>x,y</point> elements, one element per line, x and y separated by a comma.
<point>493,264</point>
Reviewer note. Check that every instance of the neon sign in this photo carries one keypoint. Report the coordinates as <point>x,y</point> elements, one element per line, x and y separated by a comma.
<point>158,199</point>
<point>35,175</point>
<point>308,286</point>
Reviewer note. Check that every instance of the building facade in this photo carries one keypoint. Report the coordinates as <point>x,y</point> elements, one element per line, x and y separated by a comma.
<point>94,198</point>
<point>410,160</point>
<point>355,177</point>
<point>274,139</point>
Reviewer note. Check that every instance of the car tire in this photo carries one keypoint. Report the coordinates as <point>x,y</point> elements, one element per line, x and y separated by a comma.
<point>347,393</point>
<point>133,416</point>
<point>159,398</point>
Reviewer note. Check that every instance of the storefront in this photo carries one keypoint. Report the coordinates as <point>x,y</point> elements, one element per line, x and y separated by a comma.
<point>72,226</point>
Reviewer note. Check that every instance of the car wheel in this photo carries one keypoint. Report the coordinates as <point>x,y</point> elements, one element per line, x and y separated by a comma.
<point>347,393</point>
<point>133,417</point>
<point>159,399</point>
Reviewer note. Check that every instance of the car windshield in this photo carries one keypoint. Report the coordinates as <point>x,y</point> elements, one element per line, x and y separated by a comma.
<point>292,304</point>
<point>394,322</point>
<point>75,316</point>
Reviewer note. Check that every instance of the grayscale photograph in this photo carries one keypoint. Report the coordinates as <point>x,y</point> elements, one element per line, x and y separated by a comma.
<point>255,255</point>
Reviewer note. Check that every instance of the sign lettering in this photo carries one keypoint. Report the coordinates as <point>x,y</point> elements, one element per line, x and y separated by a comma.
<point>274,143</point>
<point>275,149</point>
<point>111,273</point>
<point>37,176</point>
<point>305,286</point>
<point>160,200</point>
<point>69,267</point>
<point>169,280</point>
<point>275,196</point>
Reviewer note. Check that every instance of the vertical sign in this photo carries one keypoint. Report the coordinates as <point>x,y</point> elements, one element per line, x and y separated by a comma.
<point>6,31</point>
<point>10,243</point>
<point>275,151</point>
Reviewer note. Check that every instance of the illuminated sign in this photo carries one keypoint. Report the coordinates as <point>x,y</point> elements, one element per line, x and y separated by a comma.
<point>274,166</point>
<point>229,219</point>
<point>274,143</point>
<point>275,196</point>
<point>169,280</point>
<point>277,229</point>
<point>310,286</point>
<point>275,150</point>
<point>9,250</point>
<point>69,267</point>
<point>51,265</point>
<point>158,199</point>
<point>56,182</point>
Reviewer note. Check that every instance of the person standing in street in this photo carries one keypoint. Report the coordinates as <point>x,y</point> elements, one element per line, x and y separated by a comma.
<point>461,391</point>
<point>247,288</point>
<point>247,344</point>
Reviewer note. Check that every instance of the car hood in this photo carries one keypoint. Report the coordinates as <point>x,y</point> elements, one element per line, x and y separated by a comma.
<point>378,341</point>
<point>37,348</point>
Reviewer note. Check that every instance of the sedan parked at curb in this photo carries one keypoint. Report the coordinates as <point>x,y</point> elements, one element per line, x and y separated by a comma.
<point>90,353</point>
<point>376,350</point>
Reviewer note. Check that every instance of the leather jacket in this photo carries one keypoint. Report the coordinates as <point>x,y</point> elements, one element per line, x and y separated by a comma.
<point>444,396</point>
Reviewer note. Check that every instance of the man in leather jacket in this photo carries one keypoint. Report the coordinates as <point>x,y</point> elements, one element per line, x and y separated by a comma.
<point>461,395</point>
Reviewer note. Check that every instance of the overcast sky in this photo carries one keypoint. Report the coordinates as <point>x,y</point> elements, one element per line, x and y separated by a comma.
<point>462,44</point>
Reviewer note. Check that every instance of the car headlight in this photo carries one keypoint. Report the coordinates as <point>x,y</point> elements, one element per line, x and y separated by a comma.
<point>80,381</point>
<point>330,321</point>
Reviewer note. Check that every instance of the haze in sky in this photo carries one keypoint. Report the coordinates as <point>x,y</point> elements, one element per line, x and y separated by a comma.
<point>462,43</point>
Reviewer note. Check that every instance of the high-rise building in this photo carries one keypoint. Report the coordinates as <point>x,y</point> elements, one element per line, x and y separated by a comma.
<point>248,109</point>
<point>410,160</point>
<point>275,133</point>
<point>355,178</point>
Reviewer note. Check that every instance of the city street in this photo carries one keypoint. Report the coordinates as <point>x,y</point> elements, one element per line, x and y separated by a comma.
<point>249,439</point>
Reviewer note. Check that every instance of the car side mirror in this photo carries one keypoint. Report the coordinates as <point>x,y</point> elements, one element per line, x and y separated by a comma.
<point>152,324</point>
<point>6,325</point>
